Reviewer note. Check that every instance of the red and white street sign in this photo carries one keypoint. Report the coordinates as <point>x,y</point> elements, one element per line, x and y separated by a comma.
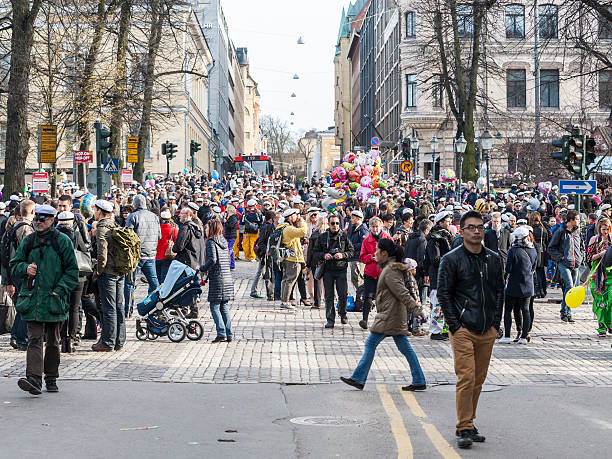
<point>40,182</point>
<point>83,157</point>
<point>127,176</point>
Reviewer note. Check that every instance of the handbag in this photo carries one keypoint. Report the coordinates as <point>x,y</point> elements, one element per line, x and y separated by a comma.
<point>319,271</point>
<point>7,312</point>
<point>168,253</point>
<point>84,263</point>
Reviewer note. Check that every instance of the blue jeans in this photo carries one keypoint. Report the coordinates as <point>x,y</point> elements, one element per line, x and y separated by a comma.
<point>128,293</point>
<point>161,269</point>
<point>220,314</point>
<point>19,331</point>
<point>401,341</point>
<point>278,279</point>
<point>570,279</point>
<point>257,277</point>
<point>110,288</point>
<point>148,269</point>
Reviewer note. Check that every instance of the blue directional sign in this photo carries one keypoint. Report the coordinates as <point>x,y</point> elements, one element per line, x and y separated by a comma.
<point>375,141</point>
<point>577,186</point>
<point>112,166</point>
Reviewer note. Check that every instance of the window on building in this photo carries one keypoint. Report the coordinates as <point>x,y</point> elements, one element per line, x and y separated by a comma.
<point>247,135</point>
<point>465,21</point>
<point>231,136</point>
<point>548,21</point>
<point>549,88</point>
<point>605,27</point>
<point>516,91</point>
<point>515,21</point>
<point>411,90</point>
<point>605,89</point>
<point>437,91</point>
<point>231,108</point>
<point>410,17</point>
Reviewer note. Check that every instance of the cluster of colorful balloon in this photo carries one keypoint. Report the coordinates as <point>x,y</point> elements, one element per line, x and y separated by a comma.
<point>448,175</point>
<point>359,176</point>
<point>545,187</point>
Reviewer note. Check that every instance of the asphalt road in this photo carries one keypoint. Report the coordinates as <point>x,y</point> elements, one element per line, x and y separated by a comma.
<point>102,419</point>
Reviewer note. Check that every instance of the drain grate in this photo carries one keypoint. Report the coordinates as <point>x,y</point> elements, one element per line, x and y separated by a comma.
<point>337,421</point>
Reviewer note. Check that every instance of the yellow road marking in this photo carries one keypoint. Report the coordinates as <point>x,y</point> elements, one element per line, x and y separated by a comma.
<point>443,447</point>
<point>412,403</point>
<point>402,439</point>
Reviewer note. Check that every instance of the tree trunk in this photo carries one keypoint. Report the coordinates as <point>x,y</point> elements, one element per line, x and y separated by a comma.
<point>120,84</point>
<point>17,133</point>
<point>144,133</point>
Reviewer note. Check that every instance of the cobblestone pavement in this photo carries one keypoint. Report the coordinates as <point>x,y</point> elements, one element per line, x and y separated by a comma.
<point>272,345</point>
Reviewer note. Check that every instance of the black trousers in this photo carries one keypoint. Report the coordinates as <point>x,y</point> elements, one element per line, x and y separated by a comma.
<point>72,325</point>
<point>92,309</point>
<point>337,279</point>
<point>369,294</point>
<point>35,362</point>
<point>522,304</point>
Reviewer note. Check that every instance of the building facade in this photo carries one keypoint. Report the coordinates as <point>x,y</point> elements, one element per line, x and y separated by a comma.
<point>251,106</point>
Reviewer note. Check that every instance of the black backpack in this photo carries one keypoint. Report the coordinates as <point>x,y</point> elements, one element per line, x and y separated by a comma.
<point>8,244</point>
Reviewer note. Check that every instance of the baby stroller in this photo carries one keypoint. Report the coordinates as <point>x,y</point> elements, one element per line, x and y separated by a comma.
<point>161,312</point>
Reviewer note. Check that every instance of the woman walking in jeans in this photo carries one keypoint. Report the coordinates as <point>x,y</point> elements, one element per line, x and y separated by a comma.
<point>393,302</point>
<point>220,283</point>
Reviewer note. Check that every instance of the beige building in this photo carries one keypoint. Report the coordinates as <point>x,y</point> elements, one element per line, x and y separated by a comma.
<point>507,83</point>
<point>322,150</point>
<point>342,86</point>
<point>251,106</point>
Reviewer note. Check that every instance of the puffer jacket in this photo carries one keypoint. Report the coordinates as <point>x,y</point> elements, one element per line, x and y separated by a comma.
<point>393,301</point>
<point>566,247</point>
<point>217,266</point>
<point>520,267</point>
<point>439,243</point>
<point>471,289</point>
<point>146,225</point>
<point>230,227</point>
<point>189,245</point>
<point>368,249</point>
<point>57,275</point>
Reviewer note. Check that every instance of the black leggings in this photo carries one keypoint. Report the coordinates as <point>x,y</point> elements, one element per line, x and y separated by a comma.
<point>522,307</point>
<point>369,293</point>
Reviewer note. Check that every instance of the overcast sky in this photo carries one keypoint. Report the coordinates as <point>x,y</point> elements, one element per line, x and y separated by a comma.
<point>270,30</point>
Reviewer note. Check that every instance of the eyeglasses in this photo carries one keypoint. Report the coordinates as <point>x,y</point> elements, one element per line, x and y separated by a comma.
<point>473,228</point>
<point>41,218</point>
<point>334,223</point>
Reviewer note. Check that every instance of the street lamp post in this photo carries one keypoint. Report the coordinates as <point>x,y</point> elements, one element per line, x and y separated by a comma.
<point>460,145</point>
<point>434,147</point>
<point>414,145</point>
<point>487,144</point>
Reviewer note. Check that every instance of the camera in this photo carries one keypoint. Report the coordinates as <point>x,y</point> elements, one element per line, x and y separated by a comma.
<point>334,251</point>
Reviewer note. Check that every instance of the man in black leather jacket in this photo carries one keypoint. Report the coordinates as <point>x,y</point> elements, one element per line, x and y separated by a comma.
<point>471,294</point>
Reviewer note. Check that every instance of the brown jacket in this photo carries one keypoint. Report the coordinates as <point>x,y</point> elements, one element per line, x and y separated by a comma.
<point>393,301</point>
<point>104,237</point>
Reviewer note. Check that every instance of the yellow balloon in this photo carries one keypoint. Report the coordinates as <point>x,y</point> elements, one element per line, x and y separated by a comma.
<point>575,296</point>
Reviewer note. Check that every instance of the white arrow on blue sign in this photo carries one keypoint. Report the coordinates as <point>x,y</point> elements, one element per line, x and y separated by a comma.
<point>577,186</point>
<point>112,167</point>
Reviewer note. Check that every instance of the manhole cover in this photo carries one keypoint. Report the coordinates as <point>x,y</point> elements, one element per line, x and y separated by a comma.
<point>338,421</point>
<point>451,388</point>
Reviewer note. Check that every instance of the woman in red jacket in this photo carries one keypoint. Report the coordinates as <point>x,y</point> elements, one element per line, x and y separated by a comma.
<point>169,232</point>
<point>371,270</point>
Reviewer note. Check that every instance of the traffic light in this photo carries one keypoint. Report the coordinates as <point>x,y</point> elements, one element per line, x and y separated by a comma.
<point>406,148</point>
<point>103,142</point>
<point>164,145</point>
<point>194,147</point>
<point>590,151</point>
<point>562,156</point>
<point>171,150</point>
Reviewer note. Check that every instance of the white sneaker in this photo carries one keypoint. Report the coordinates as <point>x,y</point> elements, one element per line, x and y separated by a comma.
<point>287,306</point>
<point>522,341</point>
<point>505,340</point>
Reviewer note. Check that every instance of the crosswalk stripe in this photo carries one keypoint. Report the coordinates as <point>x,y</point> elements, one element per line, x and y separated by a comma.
<point>402,438</point>
<point>412,403</point>
<point>443,447</point>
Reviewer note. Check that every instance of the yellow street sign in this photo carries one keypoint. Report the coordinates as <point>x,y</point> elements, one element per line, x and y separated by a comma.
<point>48,143</point>
<point>132,150</point>
<point>406,166</point>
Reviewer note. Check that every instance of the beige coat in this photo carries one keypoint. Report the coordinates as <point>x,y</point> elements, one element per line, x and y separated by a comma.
<point>393,301</point>
<point>291,240</point>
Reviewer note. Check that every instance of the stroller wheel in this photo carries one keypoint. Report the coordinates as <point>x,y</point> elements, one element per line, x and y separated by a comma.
<point>194,330</point>
<point>177,332</point>
<point>141,334</point>
<point>152,336</point>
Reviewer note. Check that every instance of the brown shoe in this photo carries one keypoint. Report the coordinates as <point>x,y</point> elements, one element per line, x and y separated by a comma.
<point>101,347</point>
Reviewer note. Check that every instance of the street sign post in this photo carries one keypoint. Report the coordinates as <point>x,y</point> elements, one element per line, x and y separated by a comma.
<point>127,176</point>
<point>375,142</point>
<point>48,143</point>
<point>406,166</point>
<point>83,157</point>
<point>582,187</point>
<point>40,182</point>
<point>132,150</point>
<point>112,166</point>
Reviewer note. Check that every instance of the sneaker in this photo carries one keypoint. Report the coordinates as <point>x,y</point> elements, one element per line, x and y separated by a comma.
<point>570,319</point>
<point>464,439</point>
<point>476,436</point>
<point>414,388</point>
<point>438,336</point>
<point>329,324</point>
<point>344,320</point>
<point>14,344</point>
<point>602,334</point>
<point>51,386</point>
<point>504,340</point>
<point>287,306</point>
<point>351,382</point>
<point>419,333</point>
<point>363,324</point>
<point>256,295</point>
<point>522,341</point>
<point>29,385</point>
<point>219,339</point>
<point>564,319</point>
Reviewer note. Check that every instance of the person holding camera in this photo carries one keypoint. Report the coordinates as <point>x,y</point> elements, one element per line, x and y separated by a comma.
<point>334,249</point>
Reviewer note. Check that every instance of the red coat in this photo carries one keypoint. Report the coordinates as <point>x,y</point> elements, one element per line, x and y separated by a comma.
<point>168,231</point>
<point>368,249</point>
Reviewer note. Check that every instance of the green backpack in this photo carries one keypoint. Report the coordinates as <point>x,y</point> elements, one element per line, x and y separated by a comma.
<point>125,250</point>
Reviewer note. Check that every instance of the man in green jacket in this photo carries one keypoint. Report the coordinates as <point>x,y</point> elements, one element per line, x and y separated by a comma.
<point>46,262</point>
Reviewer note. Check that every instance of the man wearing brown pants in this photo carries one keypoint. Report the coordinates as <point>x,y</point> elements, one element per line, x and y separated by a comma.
<point>471,294</point>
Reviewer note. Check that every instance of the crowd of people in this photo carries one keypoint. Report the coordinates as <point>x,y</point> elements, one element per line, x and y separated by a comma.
<point>422,257</point>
